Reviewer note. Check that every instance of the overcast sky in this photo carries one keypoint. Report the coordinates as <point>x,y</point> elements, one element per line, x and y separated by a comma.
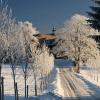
<point>47,13</point>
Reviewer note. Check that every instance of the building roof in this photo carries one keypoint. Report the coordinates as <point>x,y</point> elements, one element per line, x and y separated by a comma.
<point>45,36</point>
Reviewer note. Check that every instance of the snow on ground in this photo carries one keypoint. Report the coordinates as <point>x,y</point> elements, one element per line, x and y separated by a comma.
<point>63,83</point>
<point>52,93</point>
<point>77,87</point>
<point>86,88</point>
<point>91,87</point>
<point>47,96</point>
<point>8,82</point>
<point>88,80</point>
<point>54,85</point>
<point>90,76</point>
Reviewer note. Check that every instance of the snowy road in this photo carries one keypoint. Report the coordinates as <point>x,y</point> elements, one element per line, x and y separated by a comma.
<point>73,86</point>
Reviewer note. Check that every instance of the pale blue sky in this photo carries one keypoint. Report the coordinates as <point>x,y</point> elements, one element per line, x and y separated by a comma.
<point>47,13</point>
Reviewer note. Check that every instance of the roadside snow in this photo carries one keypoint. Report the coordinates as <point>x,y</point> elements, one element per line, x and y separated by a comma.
<point>91,86</point>
<point>54,85</point>
<point>90,76</point>
<point>8,82</point>
<point>53,91</point>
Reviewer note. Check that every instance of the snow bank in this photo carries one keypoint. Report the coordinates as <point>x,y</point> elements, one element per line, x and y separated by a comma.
<point>91,86</point>
<point>90,75</point>
<point>8,82</point>
<point>54,85</point>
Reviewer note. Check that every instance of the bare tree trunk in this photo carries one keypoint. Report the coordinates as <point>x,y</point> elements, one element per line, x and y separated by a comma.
<point>97,76</point>
<point>25,85</point>
<point>14,82</point>
<point>41,83</point>
<point>16,88</point>
<point>27,90</point>
<point>77,67</point>
<point>0,81</point>
<point>35,87</point>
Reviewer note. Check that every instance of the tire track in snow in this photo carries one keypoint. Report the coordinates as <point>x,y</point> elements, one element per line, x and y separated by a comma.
<point>68,86</point>
<point>73,86</point>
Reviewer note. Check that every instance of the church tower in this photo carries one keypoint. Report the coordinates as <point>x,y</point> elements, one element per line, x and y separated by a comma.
<point>53,30</point>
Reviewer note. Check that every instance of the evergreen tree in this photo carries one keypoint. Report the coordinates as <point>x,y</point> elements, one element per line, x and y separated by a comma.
<point>95,15</point>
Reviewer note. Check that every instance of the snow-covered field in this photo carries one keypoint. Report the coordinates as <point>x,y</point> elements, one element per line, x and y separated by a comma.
<point>63,84</point>
<point>8,81</point>
<point>53,86</point>
<point>9,90</point>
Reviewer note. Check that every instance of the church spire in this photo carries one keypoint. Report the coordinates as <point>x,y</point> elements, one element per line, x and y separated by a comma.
<point>53,30</point>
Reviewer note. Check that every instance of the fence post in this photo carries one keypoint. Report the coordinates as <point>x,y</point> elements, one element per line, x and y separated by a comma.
<point>27,90</point>
<point>2,88</point>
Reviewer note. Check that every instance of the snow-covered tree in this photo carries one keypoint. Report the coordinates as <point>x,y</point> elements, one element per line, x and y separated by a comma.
<point>74,40</point>
<point>6,25</point>
<point>42,65</point>
<point>13,52</point>
<point>46,60</point>
<point>25,37</point>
